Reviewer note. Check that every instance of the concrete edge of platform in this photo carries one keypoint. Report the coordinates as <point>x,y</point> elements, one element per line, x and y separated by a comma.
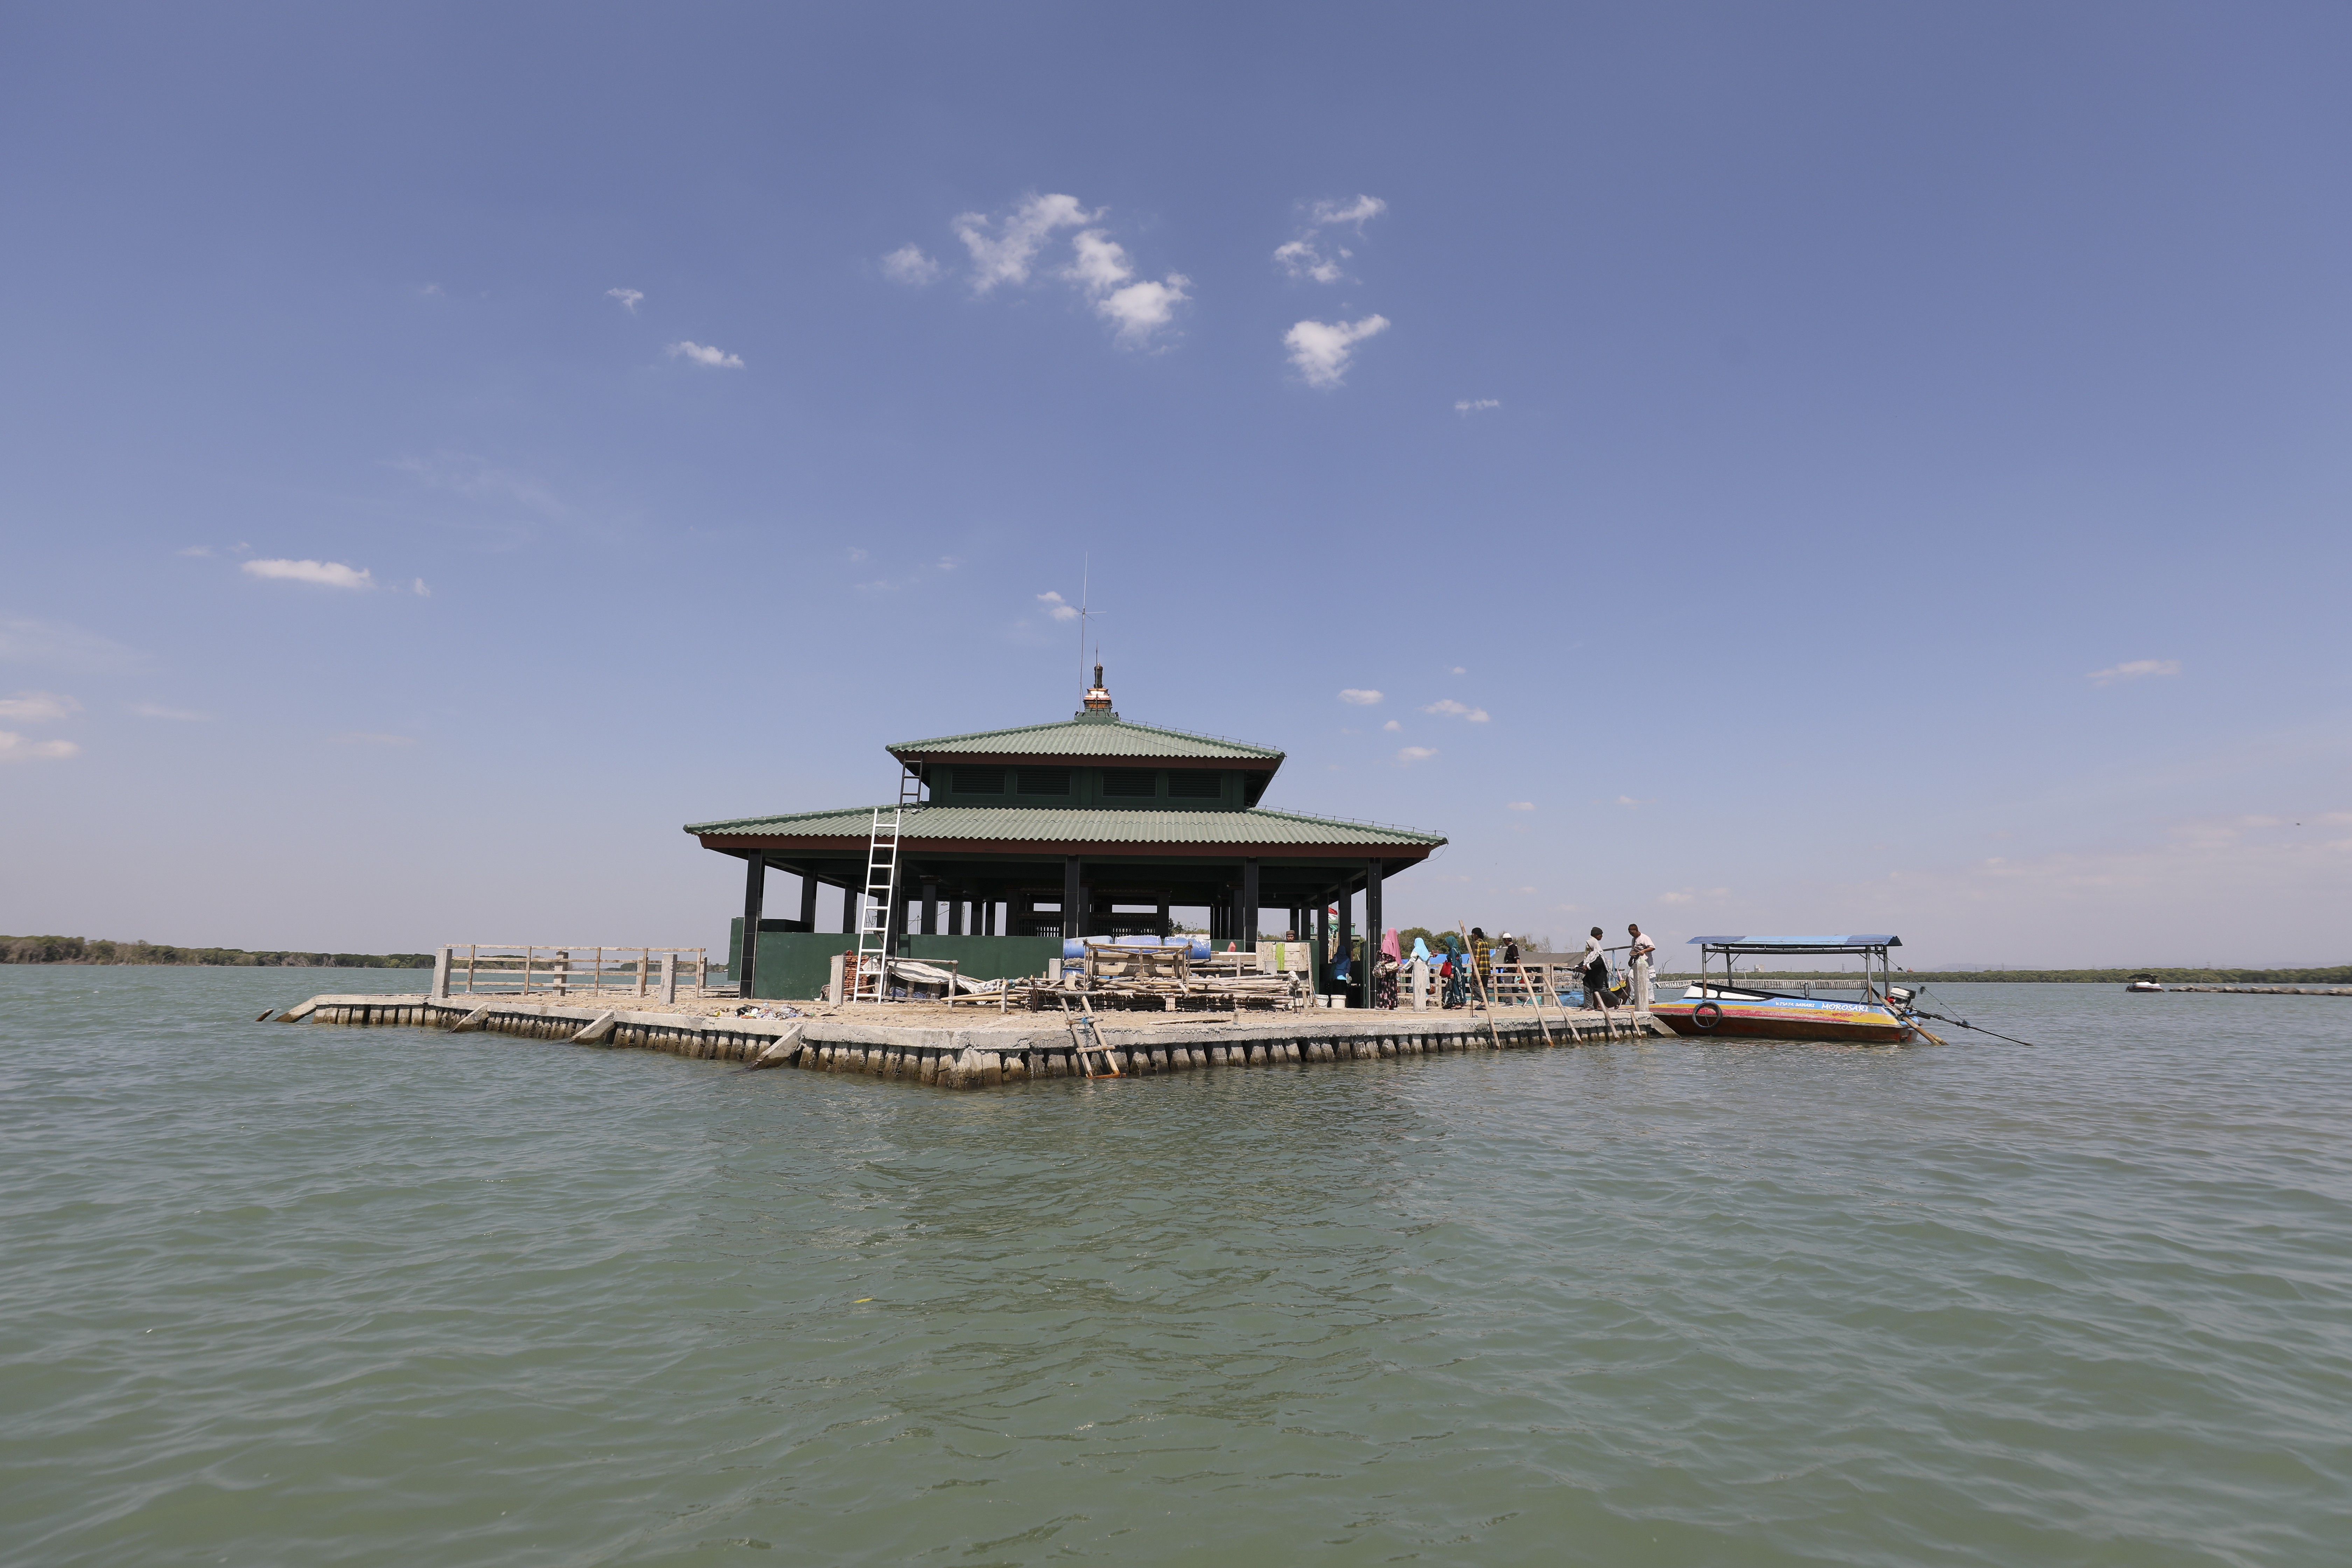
<point>986,1058</point>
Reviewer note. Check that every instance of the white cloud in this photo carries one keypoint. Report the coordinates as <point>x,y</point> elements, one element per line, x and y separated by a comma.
<point>909,265</point>
<point>1141,309</point>
<point>1469,405</point>
<point>416,586</point>
<point>1449,709</point>
<point>195,550</point>
<point>1360,696</point>
<point>1629,800</point>
<point>1392,724</point>
<point>1416,754</point>
<point>37,707</point>
<point>1356,212</point>
<point>326,573</point>
<point>1138,309</point>
<point>2134,670</point>
<point>1300,258</point>
<point>704,354</point>
<point>1459,670</point>
<point>1519,806</point>
<point>1321,350</point>
<point>15,748</point>
<point>1057,608</point>
<point>627,297</point>
<point>1003,250</point>
<point>1101,262</point>
<point>53,643</point>
<point>157,711</point>
<point>1306,257</point>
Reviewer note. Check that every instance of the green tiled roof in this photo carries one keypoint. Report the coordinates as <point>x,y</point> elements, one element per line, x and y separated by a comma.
<point>1108,736</point>
<point>1060,824</point>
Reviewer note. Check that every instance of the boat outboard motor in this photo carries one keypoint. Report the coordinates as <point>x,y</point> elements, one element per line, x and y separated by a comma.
<point>1899,997</point>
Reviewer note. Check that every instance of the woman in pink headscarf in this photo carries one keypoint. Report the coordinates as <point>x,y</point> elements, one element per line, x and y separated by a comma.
<point>1384,974</point>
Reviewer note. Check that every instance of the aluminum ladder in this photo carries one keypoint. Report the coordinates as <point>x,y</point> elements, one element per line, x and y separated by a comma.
<point>869,981</point>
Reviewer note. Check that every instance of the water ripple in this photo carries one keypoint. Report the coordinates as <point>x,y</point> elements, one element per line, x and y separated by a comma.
<point>316,1296</point>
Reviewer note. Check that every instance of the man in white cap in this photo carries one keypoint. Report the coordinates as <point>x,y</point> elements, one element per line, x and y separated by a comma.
<point>1639,953</point>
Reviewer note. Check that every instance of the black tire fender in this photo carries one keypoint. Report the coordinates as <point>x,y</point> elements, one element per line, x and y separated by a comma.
<point>1705,1016</point>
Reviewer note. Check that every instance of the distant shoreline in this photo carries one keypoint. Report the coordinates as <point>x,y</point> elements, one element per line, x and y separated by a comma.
<point>2339,976</point>
<point>95,952</point>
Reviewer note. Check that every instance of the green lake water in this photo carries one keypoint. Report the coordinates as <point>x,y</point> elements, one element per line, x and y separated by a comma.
<point>307,1295</point>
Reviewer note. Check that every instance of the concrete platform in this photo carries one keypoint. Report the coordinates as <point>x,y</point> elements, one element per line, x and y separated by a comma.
<point>969,1048</point>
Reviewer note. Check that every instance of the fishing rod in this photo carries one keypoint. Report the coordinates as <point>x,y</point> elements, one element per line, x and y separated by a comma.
<point>1964,1023</point>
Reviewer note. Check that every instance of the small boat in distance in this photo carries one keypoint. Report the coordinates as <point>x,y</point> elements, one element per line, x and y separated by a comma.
<point>2143,982</point>
<point>1726,1009</point>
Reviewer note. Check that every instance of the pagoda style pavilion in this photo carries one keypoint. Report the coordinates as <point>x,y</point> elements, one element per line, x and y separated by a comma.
<point>1089,826</point>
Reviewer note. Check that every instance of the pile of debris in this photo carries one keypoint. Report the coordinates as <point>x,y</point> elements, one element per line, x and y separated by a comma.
<point>1163,979</point>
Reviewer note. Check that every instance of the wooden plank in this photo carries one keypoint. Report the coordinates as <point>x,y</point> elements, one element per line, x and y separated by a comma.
<point>597,1030</point>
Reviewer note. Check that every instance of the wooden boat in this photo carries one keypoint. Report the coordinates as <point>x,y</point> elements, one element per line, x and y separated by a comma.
<point>1727,1010</point>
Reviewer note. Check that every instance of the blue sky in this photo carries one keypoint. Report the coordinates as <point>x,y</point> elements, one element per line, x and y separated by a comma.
<point>1816,466</point>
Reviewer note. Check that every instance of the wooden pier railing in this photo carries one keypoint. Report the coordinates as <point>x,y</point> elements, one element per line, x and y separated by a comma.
<point>520,969</point>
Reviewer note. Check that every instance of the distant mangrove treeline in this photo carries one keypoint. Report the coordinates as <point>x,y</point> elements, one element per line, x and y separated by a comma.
<point>2339,976</point>
<point>97,949</point>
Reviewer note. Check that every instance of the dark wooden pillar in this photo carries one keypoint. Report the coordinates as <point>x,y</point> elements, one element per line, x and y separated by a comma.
<point>1073,899</point>
<point>1161,930</point>
<point>955,915</point>
<point>1374,924</point>
<point>849,909</point>
<point>808,901</point>
<point>755,893</point>
<point>1249,903</point>
<point>930,906</point>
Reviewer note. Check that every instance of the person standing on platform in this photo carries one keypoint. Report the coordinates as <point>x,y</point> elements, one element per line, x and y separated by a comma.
<point>1418,968</point>
<point>1641,952</point>
<point>1595,964</point>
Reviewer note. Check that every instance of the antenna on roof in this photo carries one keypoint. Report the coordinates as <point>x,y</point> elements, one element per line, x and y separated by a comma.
<point>1086,613</point>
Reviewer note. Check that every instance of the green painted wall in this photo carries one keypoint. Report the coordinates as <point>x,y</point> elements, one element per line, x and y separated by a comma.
<point>990,957</point>
<point>794,964</point>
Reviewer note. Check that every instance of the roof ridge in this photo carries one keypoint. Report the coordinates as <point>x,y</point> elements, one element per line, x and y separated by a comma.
<point>740,823</point>
<point>1091,722</point>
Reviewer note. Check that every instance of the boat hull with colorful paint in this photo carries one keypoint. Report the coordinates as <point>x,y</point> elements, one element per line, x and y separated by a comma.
<point>1713,1013</point>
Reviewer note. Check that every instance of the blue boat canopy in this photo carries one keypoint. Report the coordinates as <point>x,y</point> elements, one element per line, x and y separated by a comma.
<point>1797,944</point>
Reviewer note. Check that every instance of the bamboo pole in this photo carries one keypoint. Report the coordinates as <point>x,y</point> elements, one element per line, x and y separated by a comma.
<point>1538,1001</point>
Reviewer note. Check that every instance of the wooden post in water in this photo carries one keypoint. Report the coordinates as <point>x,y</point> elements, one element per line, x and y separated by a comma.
<point>441,976</point>
<point>669,977</point>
